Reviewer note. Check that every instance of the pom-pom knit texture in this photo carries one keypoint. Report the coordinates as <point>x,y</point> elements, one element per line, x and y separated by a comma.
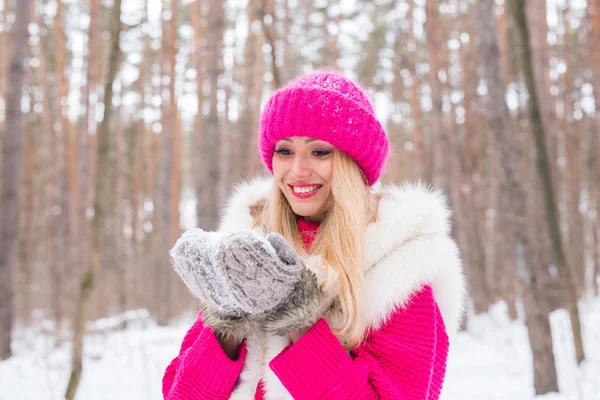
<point>330,107</point>
<point>404,358</point>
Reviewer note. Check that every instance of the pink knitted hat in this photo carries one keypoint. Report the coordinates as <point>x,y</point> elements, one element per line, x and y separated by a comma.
<point>327,106</point>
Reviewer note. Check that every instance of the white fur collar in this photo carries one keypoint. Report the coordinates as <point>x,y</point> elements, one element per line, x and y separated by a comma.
<point>236,213</point>
<point>407,247</point>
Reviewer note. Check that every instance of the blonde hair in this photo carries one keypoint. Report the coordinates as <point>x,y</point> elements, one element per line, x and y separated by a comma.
<point>340,239</point>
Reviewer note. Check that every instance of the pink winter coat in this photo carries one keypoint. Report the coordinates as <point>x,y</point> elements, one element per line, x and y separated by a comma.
<point>414,298</point>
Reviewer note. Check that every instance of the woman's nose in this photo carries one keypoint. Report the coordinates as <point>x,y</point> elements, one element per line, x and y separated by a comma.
<point>300,167</point>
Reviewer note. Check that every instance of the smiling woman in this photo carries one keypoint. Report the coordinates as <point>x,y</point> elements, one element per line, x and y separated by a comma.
<point>316,286</point>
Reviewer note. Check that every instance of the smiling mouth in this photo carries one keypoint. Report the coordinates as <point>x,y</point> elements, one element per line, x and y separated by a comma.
<point>305,189</point>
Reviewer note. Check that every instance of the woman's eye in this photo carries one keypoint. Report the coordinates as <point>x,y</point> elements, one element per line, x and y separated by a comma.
<point>321,153</point>
<point>283,152</point>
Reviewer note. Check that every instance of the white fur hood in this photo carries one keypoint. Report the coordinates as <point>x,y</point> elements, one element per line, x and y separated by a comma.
<point>407,247</point>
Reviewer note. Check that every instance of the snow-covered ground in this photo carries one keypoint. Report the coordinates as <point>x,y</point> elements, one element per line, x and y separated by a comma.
<point>493,361</point>
<point>490,361</point>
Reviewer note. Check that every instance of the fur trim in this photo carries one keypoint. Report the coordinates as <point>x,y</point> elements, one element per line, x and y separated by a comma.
<point>274,389</point>
<point>428,259</point>
<point>236,213</point>
<point>303,307</point>
<point>262,349</point>
<point>405,212</point>
<point>253,369</point>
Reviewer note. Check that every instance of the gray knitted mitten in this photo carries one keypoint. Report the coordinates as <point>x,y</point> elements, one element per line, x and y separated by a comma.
<point>236,274</point>
<point>305,305</point>
<point>192,260</point>
<point>259,277</point>
<point>245,281</point>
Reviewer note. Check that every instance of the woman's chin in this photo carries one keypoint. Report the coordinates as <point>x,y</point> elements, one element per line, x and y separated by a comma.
<point>306,212</point>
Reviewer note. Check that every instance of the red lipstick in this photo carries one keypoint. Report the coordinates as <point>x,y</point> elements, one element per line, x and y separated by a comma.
<point>304,195</point>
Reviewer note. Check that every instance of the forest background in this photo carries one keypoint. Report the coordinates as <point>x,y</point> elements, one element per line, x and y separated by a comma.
<point>125,122</point>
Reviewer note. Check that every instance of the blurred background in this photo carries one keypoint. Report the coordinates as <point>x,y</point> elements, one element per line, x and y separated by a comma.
<point>125,122</point>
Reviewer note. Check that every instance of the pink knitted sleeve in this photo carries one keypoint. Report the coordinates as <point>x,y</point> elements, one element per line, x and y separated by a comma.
<point>202,370</point>
<point>404,359</point>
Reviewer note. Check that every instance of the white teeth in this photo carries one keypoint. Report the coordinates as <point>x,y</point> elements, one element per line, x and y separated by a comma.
<point>305,189</point>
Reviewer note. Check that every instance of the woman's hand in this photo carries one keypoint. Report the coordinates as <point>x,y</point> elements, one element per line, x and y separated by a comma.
<point>230,345</point>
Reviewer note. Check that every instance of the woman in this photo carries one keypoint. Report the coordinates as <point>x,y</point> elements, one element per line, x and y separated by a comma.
<point>350,295</point>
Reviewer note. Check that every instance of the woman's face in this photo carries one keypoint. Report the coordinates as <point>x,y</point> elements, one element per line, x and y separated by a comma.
<point>303,167</point>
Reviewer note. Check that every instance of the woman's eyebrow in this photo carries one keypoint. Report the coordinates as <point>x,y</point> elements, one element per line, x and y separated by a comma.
<point>309,140</point>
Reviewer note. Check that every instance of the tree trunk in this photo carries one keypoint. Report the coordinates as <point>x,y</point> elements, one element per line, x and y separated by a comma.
<point>400,158</point>
<point>415,99</point>
<point>512,204</point>
<point>574,181</point>
<point>505,282</point>
<point>571,140</point>
<point>594,7</point>
<point>544,172</point>
<point>68,134</point>
<point>135,156</point>
<point>123,263</point>
<point>540,338</point>
<point>57,201</point>
<point>4,56</point>
<point>268,24</point>
<point>86,141</point>
<point>65,190</point>
<point>255,79</point>
<point>439,138</point>
<point>540,63</point>
<point>469,184</point>
<point>174,176</point>
<point>286,71</point>
<point>27,227</point>
<point>226,140</point>
<point>164,233</point>
<point>208,207</point>
<point>49,178</point>
<point>245,162</point>
<point>138,159</point>
<point>596,256</point>
<point>102,187</point>
<point>503,42</point>
<point>197,19</point>
<point>176,179</point>
<point>330,52</point>
<point>12,145</point>
<point>594,43</point>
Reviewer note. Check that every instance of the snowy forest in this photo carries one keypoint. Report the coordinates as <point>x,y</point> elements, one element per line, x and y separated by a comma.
<point>124,123</point>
